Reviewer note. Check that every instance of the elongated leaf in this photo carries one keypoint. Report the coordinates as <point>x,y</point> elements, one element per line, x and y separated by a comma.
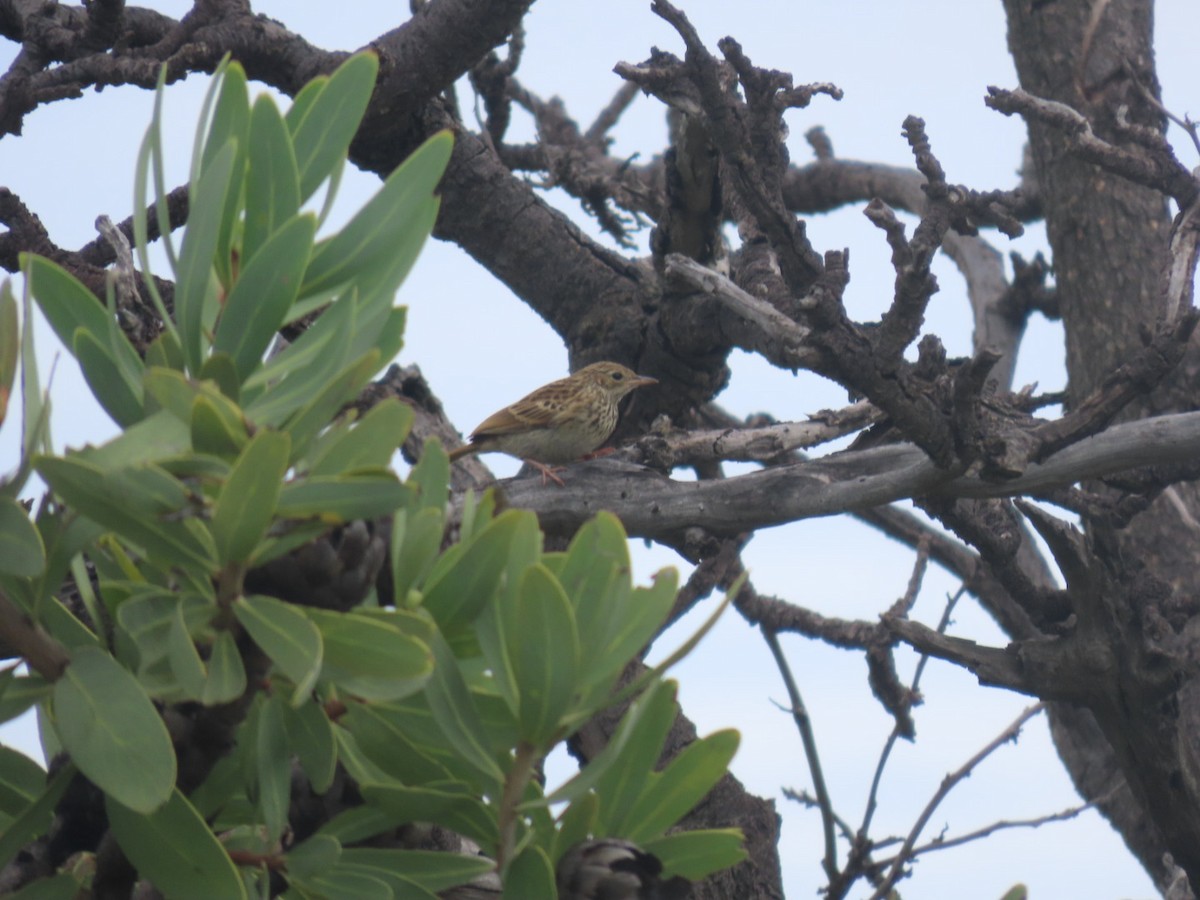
<point>21,550</point>
<point>696,854</point>
<point>432,870</point>
<point>134,503</point>
<point>186,664</point>
<point>20,693</point>
<point>159,436</point>
<point>287,636</point>
<point>246,504</point>
<point>219,368</point>
<point>672,793</point>
<point>416,539</point>
<point>529,875</point>
<point>310,735</point>
<point>304,424</point>
<point>451,805</point>
<point>21,781</point>
<point>317,854</point>
<point>10,345</point>
<point>69,306</point>
<point>370,657</point>
<point>456,714</point>
<point>119,394</point>
<point>226,674</point>
<point>543,646</point>
<point>620,768</point>
<point>459,587</point>
<point>230,125</point>
<point>431,475</point>
<point>204,229</point>
<point>272,761</point>
<point>65,886</point>
<point>343,498</point>
<point>35,818</point>
<point>369,444</point>
<point>305,367</point>
<point>265,291</point>
<point>368,240</point>
<point>324,123</point>
<point>214,431</point>
<point>113,732</point>
<point>272,177</point>
<point>175,850</point>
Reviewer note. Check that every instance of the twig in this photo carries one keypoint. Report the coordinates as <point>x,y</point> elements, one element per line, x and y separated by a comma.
<point>1003,824</point>
<point>948,783</point>
<point>872,802</point>
<point>804,725</point>
<point>44,654</point>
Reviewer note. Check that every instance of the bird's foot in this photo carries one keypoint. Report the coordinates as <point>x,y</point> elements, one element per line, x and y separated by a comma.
<point>596,454</point>
<point>548,472</point>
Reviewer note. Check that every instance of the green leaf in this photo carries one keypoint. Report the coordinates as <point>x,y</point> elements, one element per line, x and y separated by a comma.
<point>543,647</point>
<point>186,664</point>
<point>384,734</point>
<point>21,549</point>
<point>10,345</point>
<point>245,507</point>
<point>194,286</point>
<point>20,693</point>
<point>69,306</point>
<point>402,206</point>
<point>369,444</point>
<point>309,419</point>
<point>620,770</point>
<point>217,426</point>
<point>352,826</point>
<point>226,674</point>
<point>416,540</point>
<point>57,887</point>
<point>287,636</point>
<point>219,368</point>
<point>21,781</point>
<point>529,875</point>
<point>272,759</point>
<point>432,870</point>
<point>158,437</point>
<point>175,850</point>
<point>138,503</point>
<point>272,178</point>
<point>456,713</point>
<point>674,792</point>
<point>451,805</point>
<point>324,118</point>
<point>371,658</point>
<point>577,823</point>
<point>230,125</point>
<point>622,781</point>
<point>36,817</point>
<point>317,854</point>
<point>264,292</point>
<point>343,498</point>
<point>310,735</point>
<point>113,732</point>
<point>431,475</point>
<point>696,854</point>
<point>117,391</point>
<point>461,585</point>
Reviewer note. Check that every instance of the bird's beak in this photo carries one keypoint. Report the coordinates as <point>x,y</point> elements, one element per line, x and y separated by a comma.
<point>644,381</point>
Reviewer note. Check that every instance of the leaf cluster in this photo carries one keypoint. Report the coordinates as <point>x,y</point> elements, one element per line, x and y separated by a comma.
<point>439,702</point>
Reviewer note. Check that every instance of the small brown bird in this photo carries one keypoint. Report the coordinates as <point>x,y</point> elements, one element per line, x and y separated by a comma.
<point>559,422</point>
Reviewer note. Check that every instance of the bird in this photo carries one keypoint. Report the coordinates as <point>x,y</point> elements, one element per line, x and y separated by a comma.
<point>560,422</point>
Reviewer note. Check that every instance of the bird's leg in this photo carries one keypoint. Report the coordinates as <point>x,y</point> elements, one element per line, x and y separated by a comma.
<point>596,454</point>
<point>548,472</point>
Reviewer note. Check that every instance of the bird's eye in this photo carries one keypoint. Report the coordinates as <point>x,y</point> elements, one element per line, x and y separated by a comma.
<point>617,376</point>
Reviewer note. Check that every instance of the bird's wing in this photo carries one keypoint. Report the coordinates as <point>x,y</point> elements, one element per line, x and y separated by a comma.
<point>541,409</point>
